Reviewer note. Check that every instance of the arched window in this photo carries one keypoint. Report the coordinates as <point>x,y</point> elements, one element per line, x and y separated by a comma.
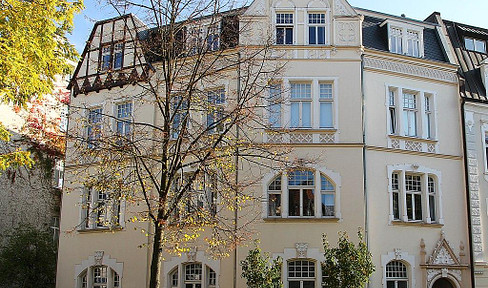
<point>297,196</point>
<point>396,275</point>
<point>415,194</point>
<point>301,274</point>
<point>274,197</point>
<point>195,275</point>
<point>327,192</point>
<point>99,277</point>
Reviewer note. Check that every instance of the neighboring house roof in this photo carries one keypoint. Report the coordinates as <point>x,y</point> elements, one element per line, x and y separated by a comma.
<point>375,35</point>
<point>472,87</point>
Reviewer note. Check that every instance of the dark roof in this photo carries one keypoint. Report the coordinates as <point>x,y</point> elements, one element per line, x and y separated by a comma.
<point>376,37</point>
<point>472,87</point>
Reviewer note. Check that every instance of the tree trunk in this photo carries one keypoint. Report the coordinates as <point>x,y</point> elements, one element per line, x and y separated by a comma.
<point>154,281</point>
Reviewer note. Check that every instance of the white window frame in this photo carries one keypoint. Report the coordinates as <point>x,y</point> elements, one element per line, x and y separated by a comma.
<point>406,30</point>
<point>284,26</point>
<point>315,101</point>
<point>402,278</point>
<point>94,129</point>
<point>424,173</point>
<point>275,101</point>
<point>394,101</point>
<point>475,47</point>
<point>216,110</point>
<point>398,255</point>
<point>333,177</point>
<point>316,26</point>
<point>84,271</point>
<point>326,101</point>
<point>127,126</point>
<point>484,143</point>
<point>302,278</point>
<point>301,102</point>
<point>91,200</point>
<point>177,265</point>
<point>181,104</point>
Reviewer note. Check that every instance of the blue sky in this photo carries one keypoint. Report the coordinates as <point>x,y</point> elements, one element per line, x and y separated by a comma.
<point>471,12</point>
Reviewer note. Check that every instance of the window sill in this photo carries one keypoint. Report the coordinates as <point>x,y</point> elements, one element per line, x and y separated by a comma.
<point>100,229</point>
<point>300,219</point>
<point>416,223</point>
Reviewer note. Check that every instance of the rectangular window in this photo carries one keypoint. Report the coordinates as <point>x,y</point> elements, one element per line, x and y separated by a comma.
<point>413,44</point>
<point>274,105</point>
<point>180,112</point>
<point>396,195</point>
<point>106,58</point>
<point>118,55</point>
<point>215,111</point>
<point>432,190</point>
<point>396,40</point>
<point>284,28</point>
<point>475,44</point>
<point>123,118</point>
<point>301,103</point>
<point>428,116</point>
<point>392,111</point>
<point>94,126</point>
<point>99,209</point>
<point>328,197</point>
<point>213,41</point>
<point>326,101</point>
<point>316,28</point>
<point>409,114</point>
<point>414,197</point>
<point>485,136</point>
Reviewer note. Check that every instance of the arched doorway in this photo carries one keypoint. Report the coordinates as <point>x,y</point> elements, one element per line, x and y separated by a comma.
<point>443,283</point>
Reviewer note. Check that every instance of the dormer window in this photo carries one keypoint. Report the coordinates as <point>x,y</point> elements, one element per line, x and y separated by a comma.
<point>475,44</point>
<point>403,38</point>
<point>118,55</point>
<point>284,28</point>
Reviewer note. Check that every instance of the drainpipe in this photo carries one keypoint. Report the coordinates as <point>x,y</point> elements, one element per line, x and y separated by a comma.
<point>236,173</point>
<point>363,124</point>
<point>468,198</point>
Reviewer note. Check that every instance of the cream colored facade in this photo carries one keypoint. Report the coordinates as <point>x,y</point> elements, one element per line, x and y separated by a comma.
<point>355,157</point>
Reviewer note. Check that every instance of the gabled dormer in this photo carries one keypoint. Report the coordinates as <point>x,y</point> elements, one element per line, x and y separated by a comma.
<point>112,56</point>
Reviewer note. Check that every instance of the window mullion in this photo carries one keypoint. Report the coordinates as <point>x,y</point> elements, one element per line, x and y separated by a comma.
<point>425,195</point>
<point>89,276</point>
<point>284,195</point>
<point>403,196</point>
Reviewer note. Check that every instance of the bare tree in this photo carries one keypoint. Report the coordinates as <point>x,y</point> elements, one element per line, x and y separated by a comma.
<point>184,164</point>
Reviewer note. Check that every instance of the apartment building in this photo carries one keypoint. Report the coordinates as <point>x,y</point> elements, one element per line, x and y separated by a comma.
<point>368,106</point>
